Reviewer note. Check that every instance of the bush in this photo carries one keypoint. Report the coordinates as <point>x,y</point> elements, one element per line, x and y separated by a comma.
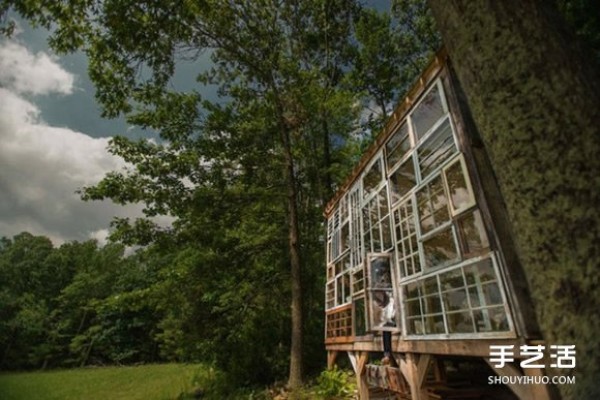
<point>336,384</point>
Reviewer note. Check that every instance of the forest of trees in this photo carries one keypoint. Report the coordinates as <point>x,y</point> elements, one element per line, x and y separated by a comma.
<point>304,87</point>
<point>237,279</point>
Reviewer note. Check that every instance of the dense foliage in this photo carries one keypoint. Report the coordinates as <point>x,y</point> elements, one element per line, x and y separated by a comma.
<point>302,86</point>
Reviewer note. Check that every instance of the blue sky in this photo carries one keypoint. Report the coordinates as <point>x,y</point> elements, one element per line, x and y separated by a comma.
<point>52,142</point>
<point>53,139</point>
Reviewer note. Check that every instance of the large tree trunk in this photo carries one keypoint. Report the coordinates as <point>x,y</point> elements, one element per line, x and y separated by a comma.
<point>534,96</point>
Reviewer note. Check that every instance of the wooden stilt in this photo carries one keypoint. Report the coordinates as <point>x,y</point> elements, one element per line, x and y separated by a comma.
<point>539,392</point>
<point>439,371</point>
<point>353,361</point>
<point>525,391</point>
<point>414,368</point>
<point>331,357</point>
<point>361,377</point>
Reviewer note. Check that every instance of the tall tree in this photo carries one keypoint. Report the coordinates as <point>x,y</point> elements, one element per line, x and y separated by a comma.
<point>534,95</point>
<point>279,141</point>
<point>280,58</point>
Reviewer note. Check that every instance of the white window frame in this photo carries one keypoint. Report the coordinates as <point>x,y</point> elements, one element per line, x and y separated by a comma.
<point>409,119</point>
<point>459,159</point>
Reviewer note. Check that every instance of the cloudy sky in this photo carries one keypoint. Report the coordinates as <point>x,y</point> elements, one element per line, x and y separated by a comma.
<point>52,142</point>
<point>42,161</point>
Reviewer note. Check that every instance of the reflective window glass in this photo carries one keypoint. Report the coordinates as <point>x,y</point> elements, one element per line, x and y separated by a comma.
<point>427,113</point>
<point>472,234</point>
<point>360,320</point>
<point>436,149</point>
<point>461,196</point>
<point>440,249</point>
<point>434,324</point>
<point>403,180</point>
<point>372,177</point>
<point>432,205</point>
<point>381,273</point>
<point>397,146</point>
<point>460,322</point>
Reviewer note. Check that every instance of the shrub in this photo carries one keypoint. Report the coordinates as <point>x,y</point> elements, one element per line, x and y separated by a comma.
<point>335,383</point>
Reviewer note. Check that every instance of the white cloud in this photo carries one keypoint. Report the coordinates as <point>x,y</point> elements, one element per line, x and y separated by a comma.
<point>42,166</point>
<point>35,74</point>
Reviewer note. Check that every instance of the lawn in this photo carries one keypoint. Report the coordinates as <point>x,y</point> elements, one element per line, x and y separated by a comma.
<point>146,382</point>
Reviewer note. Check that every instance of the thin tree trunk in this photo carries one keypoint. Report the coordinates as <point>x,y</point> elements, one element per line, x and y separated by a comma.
<point>295,377</point>
<point>328,192</point>
<point>535,99</point>
<point>295,373</point>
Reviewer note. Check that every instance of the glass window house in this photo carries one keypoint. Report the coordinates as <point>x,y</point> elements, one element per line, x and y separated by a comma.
<point>414,254</point>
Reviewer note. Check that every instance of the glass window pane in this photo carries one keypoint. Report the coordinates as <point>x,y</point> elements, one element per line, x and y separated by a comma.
<point>410,268</point>
<point>438,148</point>
<point>403,180</point>
<point>415,326</point>
<point>434,324</point>
<point>460,322</point>
<point>440,249</point>
<point>367,241</point>
<point>472,234</point>
<point>376,238</point>
<point>330,295</point>
<point>482,271</point>
<point>491,293</point>
<point>452,280</point>
<point>412,290</point>
<point>413,307</point>
<point>343,289</point>
<point>343,208</point>
<point>427,113</point>
<point>382,198</point>
<point>339,266</point>
<point>475,296</point>
<point>372,177</point>
<point>387,233</point>
<point>432,205</point>
<point>397,146</point>
<point>430,286</point>
<point>383,309</point>
<point>360,323</point>
<point>345,237</point>
<point>456,300</point>
<point>358,280</point>
<point>381,276</point>
<point>460,195</point>
<point>432,304</point>
<point>491,320</point>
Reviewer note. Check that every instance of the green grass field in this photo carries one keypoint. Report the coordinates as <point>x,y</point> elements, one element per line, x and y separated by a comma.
<point>146,382</point>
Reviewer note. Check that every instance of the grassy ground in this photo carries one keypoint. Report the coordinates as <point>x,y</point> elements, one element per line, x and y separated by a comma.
<point>159,382</point>
<point>146,382</point>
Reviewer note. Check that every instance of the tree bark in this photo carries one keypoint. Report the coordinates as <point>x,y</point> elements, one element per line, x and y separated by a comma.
<point>535,98</point>
<point>295,377</point>
<point>295,372</point>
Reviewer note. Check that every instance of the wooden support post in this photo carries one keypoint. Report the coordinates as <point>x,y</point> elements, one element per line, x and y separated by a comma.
<point>352,357</point>
<point>361,379</point>
<point>414,368</point>
<point>439,370</point>
<point>331,357</point>
<point>525,391</point>
<point>539,392</point>
<point>422,367</point>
